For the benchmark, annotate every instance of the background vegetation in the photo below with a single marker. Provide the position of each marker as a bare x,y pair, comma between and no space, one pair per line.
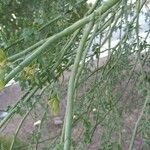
40,39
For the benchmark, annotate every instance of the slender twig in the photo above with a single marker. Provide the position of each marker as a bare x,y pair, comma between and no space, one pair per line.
138,120
30,49
25,97
19,127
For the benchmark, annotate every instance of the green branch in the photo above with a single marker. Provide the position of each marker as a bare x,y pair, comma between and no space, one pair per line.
71,87
139,119
24,98
97,13
29,49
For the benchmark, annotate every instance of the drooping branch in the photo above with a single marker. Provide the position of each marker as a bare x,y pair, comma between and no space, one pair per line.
97,13
71,86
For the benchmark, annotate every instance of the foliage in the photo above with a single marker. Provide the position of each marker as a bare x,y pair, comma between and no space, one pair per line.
41,39
5,143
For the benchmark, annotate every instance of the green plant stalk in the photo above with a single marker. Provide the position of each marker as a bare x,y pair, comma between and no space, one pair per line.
40,29
91,39
85,52
139,119
29,49
16,42
137,38
100,29
62,54
40,127
92,8
65,48
112,28
19,127
80,70
13,111
50,22
16,56
89,12
22,121
142,72
97,13
63,129
71,89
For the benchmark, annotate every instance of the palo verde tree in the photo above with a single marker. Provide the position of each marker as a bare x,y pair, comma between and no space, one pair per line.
41,39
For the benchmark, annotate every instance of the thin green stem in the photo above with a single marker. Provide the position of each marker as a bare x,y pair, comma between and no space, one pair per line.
25,97
85,52
22,53
19,127
71,86
138,121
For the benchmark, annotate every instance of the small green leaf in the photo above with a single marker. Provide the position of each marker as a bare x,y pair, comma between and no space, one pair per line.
2,78
54,105
2,58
